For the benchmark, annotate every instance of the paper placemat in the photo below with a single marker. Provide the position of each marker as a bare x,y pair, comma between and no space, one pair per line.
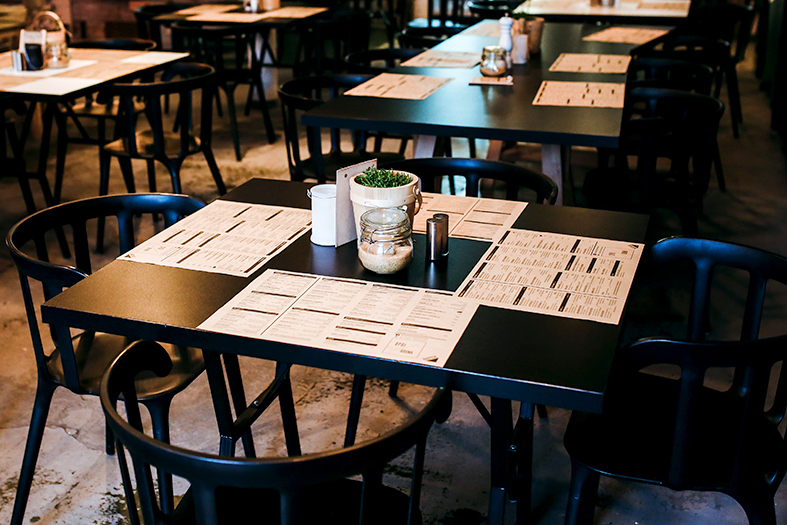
590,63
205,8
433,58
626,35
580,94
213,16
294,12
154,57
54,86
392,85
48,72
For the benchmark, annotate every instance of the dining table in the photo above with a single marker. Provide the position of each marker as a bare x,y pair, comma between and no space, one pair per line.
501,113
87,71
651,12
507,354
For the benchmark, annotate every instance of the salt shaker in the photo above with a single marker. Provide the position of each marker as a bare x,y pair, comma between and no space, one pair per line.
505,37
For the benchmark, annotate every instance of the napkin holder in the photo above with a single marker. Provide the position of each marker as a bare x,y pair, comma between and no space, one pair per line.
345,217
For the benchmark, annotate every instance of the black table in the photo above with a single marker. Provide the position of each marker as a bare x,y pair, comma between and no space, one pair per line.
500,113
535,359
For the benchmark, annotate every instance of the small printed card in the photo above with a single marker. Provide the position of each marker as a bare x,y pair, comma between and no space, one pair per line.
590,63
492,81
580,94
626,35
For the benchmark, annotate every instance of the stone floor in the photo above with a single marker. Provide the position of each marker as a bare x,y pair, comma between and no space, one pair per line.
77,483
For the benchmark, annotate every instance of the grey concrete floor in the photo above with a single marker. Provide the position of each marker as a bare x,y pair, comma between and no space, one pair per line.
76,482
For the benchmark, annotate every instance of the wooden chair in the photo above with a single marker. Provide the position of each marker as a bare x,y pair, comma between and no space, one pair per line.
302,94
242,66
156,144
306,489
491,9
78,364
688,431
670,124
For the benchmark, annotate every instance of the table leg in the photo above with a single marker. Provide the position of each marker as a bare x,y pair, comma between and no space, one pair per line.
221,401
521,463
556,164
423,146
501,433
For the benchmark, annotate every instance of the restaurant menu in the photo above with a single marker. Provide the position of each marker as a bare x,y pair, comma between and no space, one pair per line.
233,238
392,85
580,94
590,63
554,274
434,58
347,315
626,35
469,217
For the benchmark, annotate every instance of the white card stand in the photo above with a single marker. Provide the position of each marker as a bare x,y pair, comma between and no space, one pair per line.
345,219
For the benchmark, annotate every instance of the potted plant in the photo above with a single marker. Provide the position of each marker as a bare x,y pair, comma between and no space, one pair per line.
378,188
532,26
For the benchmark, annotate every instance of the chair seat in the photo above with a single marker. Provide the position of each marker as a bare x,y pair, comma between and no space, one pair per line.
104,348
333,162
335,503
146,149
633,438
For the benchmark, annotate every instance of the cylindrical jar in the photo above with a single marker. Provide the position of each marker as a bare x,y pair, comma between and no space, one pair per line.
386,244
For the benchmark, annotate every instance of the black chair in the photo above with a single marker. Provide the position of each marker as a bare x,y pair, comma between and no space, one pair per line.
304,489
692,430
303,94
669,124
156,144
712,52
11,154
79,363
474,170
323,41
426,37
391,12
150,28
97,107
209,44
442,15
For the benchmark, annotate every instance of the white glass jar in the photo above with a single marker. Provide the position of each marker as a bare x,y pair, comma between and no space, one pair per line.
386,245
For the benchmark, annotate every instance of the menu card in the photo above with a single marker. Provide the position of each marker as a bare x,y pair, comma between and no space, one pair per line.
233,238
581,94
469,217
590,63
204,8
626,35
554,274
391,85
434,58
294,12
347,315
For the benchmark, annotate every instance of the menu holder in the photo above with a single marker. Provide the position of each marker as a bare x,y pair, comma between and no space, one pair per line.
345,218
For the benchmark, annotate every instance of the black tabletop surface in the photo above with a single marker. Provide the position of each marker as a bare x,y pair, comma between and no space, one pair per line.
491,112
504,353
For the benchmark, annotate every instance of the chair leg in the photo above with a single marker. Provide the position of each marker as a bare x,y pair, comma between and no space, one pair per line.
105,160
717,167
159,418
393,389
62,145
128,489
758,505
287,407
354,415
214,169
542,411
581,495
174,174
238,395
151,164
109,437
128,174
266,114
734,96
35,434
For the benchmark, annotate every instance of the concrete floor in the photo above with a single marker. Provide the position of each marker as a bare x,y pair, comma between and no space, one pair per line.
77,483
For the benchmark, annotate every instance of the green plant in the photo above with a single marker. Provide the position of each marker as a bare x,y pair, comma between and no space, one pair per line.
377,178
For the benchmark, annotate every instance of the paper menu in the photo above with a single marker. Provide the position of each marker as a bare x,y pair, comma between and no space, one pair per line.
554,274
204,8
226,237
392,85
294,12
347,315
469,217
434,58
580,94
626,35
590,63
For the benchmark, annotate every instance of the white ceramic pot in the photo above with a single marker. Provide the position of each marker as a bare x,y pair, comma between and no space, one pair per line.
365,198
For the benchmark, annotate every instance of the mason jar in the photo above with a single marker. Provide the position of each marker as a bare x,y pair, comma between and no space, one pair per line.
386,245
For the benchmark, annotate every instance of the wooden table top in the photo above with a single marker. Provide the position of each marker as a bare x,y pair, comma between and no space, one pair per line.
626,11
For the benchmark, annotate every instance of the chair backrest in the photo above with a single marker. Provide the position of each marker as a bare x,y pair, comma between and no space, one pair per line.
376,61
731,22
473,170
128,44
677,125
288,476
425,37
303,94
183,79
669,73
491,9
209,44
750,421
147,27
27,243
